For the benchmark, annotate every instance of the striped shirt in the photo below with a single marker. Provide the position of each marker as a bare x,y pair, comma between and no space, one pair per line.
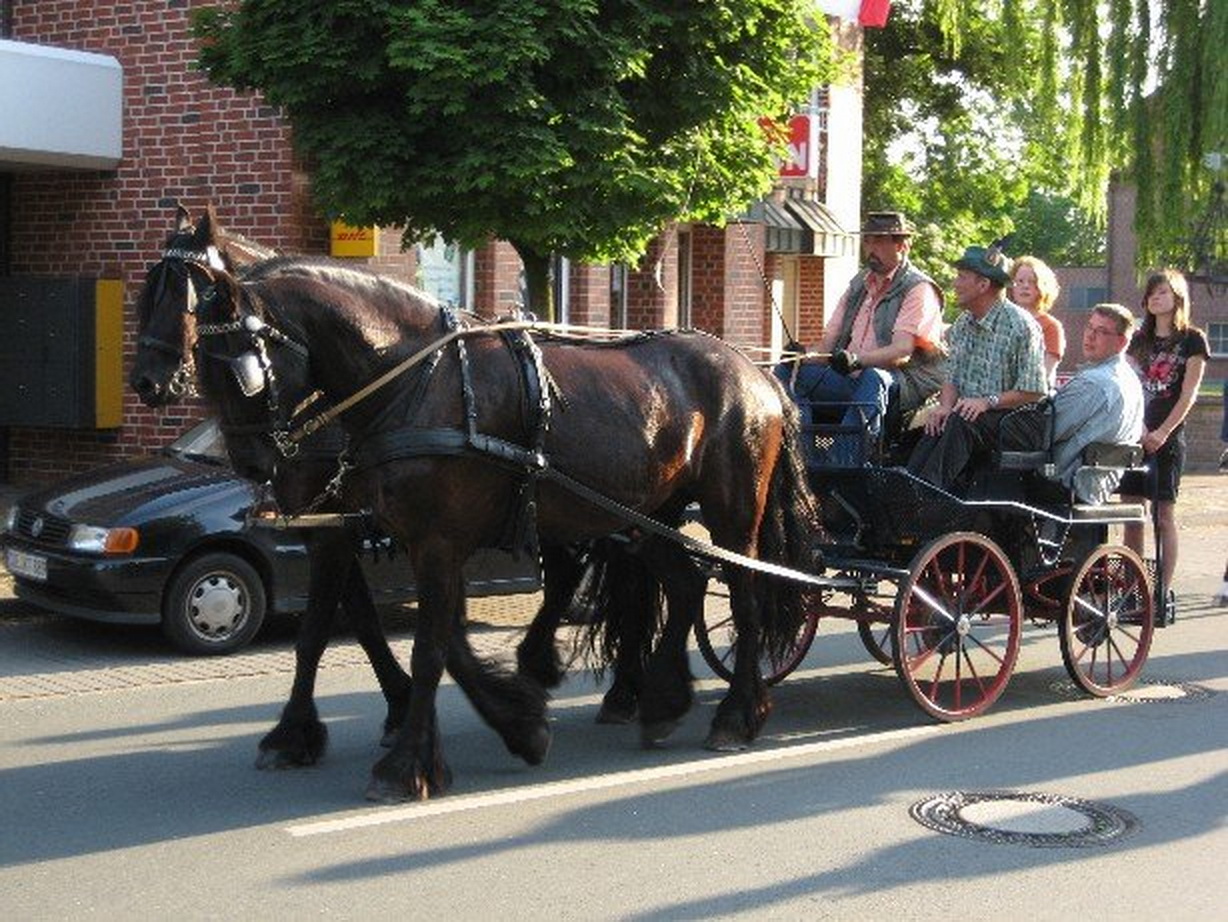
1003,351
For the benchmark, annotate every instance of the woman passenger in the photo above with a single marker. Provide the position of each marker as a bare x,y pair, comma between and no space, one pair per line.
1034,287
1170,355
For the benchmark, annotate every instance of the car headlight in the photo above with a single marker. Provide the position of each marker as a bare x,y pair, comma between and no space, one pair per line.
10,519
91,539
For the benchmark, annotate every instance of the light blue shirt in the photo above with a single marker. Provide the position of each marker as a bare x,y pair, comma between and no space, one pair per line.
1103,402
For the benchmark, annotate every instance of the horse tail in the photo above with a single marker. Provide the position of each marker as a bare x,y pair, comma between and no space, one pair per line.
787,535
621,603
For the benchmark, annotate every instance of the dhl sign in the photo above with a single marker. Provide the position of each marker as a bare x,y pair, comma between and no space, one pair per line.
347,240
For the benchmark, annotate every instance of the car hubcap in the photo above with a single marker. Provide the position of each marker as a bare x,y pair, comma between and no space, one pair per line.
217,606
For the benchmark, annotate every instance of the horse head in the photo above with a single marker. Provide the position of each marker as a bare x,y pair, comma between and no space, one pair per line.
253,373
192,255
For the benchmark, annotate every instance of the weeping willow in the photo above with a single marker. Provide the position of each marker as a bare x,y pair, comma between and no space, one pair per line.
1134,88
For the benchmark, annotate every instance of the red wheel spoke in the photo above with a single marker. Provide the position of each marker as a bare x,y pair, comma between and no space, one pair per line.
1107,624
976,677
988,651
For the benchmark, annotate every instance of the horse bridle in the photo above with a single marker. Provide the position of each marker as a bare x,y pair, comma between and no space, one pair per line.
205,261
253,370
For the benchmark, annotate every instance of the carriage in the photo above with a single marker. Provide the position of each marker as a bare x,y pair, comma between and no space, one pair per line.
465,433
940,585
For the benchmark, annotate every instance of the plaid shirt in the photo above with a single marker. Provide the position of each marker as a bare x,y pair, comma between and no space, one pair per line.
1001,352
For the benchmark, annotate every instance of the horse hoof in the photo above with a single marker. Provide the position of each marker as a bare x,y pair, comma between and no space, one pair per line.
723,741
278,759
654,735
538,745
616,714
381,791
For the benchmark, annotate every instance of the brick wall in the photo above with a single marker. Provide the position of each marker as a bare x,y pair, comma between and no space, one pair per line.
652,286
707,278
1202,434
590,295
183,140
810,307
496,280
745,295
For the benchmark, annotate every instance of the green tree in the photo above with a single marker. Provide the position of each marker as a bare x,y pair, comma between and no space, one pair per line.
571,127
979,115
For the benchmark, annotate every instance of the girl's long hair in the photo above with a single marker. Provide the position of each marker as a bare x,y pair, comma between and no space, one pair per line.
1181,309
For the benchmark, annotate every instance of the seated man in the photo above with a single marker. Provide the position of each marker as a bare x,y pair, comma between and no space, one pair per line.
1103,402
883,340
996,364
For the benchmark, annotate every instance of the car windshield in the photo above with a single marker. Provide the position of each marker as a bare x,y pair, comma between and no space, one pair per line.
203,441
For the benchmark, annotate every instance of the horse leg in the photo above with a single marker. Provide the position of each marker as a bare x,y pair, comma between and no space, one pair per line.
300,737
393,680
414,767
743,711
514,705
536,655
630,610
667,694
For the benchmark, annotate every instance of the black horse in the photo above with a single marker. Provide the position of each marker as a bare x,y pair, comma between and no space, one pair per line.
449,450
163,373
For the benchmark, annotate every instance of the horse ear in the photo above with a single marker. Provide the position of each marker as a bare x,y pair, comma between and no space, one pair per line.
208,230
183,220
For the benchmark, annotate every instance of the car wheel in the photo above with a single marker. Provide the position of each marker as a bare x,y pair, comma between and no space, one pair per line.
214,604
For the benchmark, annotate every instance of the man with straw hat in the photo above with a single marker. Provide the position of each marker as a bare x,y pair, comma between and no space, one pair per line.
882,343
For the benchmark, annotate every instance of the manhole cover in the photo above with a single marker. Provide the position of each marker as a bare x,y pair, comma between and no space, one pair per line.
1146,691
1020,818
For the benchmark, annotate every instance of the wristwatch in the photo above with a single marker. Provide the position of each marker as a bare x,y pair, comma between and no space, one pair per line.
993,400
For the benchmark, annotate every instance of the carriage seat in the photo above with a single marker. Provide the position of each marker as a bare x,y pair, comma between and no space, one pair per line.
1102,455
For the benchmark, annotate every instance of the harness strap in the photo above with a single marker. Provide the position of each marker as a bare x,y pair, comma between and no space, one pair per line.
700,548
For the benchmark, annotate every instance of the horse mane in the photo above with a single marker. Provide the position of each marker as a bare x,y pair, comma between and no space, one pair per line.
242,252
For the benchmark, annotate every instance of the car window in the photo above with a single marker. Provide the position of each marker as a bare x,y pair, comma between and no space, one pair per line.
202,441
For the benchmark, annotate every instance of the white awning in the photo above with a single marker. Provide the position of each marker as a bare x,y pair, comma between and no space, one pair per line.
61,109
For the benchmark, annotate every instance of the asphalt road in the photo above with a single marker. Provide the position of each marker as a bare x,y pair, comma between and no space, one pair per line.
127,789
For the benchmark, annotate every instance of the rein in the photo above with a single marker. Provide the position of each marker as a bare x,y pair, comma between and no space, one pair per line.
562,331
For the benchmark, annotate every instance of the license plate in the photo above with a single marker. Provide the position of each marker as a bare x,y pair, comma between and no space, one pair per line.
29,566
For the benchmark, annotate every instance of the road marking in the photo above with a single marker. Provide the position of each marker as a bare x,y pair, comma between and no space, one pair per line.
382,816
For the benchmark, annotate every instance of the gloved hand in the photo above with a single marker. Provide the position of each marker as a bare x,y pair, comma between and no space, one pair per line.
794,346
843,362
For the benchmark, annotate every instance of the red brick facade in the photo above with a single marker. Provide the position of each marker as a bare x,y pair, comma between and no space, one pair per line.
186,140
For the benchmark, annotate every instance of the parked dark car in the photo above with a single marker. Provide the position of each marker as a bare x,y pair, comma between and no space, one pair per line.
167,540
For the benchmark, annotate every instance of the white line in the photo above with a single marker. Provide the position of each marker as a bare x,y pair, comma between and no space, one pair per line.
382,816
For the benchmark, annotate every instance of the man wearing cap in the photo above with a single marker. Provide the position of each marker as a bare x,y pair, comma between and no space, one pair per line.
884,338
996,364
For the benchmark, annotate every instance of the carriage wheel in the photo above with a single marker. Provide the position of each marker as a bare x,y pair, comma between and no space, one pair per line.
1107,627
876,637
717,637
958,620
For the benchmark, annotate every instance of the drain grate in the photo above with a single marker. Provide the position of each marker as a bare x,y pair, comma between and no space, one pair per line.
1022,818
1147,690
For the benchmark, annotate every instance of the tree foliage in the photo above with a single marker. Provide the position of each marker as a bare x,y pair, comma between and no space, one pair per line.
1045,100
571,127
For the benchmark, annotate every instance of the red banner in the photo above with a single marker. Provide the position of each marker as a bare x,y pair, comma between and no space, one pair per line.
874,13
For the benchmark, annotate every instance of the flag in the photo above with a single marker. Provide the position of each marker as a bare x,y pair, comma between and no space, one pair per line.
874,13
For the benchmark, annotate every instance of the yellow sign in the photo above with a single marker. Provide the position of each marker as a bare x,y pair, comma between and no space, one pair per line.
353,241
109,353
